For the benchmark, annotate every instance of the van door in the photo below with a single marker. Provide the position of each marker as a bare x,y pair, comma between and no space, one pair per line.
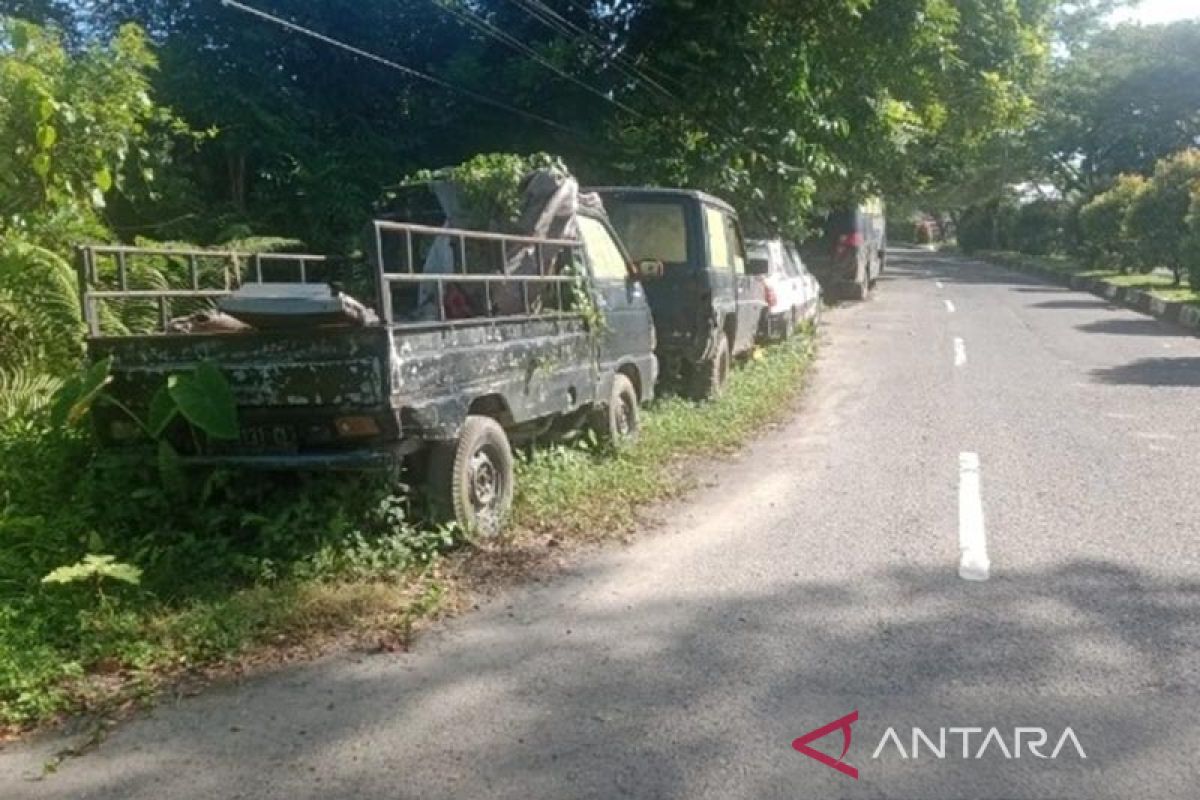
619,297
721,275
751,291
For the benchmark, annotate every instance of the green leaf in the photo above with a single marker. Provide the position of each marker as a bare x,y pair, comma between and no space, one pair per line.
46,136
45,109
98,197
205,400
95,566
162,411
63,400
41,165
74,400
103,179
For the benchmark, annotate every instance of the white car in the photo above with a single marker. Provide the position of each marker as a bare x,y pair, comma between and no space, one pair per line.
793,294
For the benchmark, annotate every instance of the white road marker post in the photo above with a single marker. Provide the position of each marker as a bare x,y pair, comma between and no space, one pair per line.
973,564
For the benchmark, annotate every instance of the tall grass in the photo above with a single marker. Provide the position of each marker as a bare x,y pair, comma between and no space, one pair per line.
244,568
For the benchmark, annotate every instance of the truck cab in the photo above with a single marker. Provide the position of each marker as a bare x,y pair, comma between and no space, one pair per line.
707,300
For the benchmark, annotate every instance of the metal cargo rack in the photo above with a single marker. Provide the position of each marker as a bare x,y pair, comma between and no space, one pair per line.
231,263
507,246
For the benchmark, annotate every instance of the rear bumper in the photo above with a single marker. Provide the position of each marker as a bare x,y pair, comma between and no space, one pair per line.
366,459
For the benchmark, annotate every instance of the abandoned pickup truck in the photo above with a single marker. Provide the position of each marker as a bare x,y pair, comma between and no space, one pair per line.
443,372
707,300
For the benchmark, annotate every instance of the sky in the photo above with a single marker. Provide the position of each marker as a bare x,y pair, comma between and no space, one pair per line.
1154,11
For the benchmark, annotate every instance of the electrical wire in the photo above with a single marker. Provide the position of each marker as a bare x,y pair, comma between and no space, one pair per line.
550,18
411,72
471,19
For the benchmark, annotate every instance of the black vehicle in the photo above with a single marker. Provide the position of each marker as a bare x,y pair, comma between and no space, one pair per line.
707,302
494,357
849,251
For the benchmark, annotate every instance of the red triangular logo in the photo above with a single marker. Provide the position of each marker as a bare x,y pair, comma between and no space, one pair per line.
839,764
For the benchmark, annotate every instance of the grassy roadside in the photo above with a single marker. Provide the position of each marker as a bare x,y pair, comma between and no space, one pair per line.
241,573
1157,284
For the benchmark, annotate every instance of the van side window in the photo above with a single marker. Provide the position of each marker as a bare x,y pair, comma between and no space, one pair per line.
737,247
602,252
718,238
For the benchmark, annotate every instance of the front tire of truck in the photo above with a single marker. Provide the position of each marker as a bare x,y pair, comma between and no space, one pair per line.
471,478
707,379
618,421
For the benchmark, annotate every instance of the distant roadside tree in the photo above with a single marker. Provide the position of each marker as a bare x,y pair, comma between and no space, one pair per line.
1102,221
1157,219
1193,244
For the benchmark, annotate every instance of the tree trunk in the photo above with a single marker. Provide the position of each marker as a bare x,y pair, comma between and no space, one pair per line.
236,164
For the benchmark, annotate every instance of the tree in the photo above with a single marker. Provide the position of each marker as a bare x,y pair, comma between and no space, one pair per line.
74,129
1192,247
1128,98
1102,220
1157,219
827,101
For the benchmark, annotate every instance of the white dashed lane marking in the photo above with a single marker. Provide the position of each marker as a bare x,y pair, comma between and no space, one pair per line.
973,564
960,352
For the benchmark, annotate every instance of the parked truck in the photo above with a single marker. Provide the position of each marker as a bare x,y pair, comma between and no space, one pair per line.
848,252
446,387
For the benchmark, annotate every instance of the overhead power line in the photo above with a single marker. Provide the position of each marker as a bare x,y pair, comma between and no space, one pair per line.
550,18
409,71
474,20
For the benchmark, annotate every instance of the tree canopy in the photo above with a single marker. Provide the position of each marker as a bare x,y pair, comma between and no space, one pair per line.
774,105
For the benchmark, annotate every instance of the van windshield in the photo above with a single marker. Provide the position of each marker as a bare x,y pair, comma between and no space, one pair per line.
651,229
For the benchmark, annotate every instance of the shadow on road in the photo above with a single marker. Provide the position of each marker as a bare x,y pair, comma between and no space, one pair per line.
688,696
1153,372
1129,327
1047,289
1069,305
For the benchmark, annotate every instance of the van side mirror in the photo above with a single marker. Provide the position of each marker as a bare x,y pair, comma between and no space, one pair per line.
758,266
649,268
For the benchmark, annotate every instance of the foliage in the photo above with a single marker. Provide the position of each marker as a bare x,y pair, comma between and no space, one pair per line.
95,568
987,226
1192,246
252,563
1107,243
829,101
488,185
203,398
1157,218
1039,227
1127,98
40,325
74,128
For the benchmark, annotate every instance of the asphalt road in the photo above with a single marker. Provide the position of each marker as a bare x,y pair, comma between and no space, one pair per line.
819,575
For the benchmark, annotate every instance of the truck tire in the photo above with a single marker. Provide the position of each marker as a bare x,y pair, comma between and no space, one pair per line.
618,421
471,478
707,379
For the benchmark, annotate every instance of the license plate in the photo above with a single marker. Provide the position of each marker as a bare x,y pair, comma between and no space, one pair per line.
268,438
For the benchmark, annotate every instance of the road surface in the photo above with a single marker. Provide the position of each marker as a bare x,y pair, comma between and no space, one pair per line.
966,422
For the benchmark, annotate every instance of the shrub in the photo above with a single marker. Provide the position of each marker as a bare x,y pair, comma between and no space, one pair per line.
987,227
1038,227
1157,219
1102,222
1192,247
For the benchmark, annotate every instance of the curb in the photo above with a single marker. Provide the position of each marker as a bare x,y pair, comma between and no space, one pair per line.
1182,314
